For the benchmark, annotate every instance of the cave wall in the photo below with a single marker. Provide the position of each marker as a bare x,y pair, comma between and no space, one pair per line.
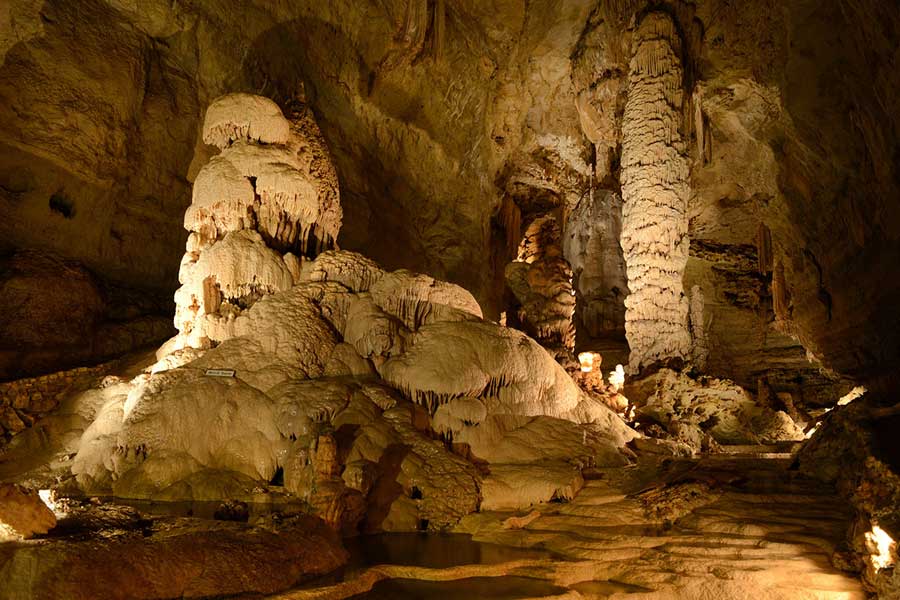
789,96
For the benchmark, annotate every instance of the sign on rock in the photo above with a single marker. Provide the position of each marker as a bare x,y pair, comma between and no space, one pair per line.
220,372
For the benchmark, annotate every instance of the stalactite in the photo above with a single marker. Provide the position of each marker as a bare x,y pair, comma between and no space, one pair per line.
271,191
510,218
438,29
764,249
655,190
780,296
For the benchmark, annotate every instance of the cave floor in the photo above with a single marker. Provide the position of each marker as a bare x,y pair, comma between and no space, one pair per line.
720,527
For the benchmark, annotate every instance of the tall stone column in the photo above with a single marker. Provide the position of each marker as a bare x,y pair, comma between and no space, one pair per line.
654,177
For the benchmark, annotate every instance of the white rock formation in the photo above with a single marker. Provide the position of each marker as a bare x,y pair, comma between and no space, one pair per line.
268,198
655,192
502,367
331,371
244,117
306,362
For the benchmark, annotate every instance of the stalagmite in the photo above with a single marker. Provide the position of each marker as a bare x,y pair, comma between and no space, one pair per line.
654,179
541,280
269,199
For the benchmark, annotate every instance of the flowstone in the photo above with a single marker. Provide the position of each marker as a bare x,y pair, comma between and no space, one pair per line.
376,398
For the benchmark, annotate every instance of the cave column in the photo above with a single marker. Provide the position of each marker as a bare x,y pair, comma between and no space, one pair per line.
655,192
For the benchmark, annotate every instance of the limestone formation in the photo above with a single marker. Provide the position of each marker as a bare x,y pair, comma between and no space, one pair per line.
655,193
477,384
541,280
591,245
293,336
708,185
693,411
851,449
261,206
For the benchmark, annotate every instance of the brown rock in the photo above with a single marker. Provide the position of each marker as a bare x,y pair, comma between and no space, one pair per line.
172,558
22,513
10,420
325,457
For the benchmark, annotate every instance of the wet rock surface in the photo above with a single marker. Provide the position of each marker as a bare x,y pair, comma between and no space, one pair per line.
718,527
176,557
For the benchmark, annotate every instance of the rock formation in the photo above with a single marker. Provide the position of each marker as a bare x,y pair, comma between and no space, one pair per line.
708,186
591,246
541,280
22,513
321,370
60,315
693,412
655,192
261,206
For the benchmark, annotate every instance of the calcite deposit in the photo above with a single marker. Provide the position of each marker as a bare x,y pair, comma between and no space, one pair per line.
260,207
655,191
610,286
695,412
373,394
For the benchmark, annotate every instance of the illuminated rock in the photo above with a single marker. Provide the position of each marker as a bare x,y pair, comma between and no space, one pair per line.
691,410
269,197
22,513
655,192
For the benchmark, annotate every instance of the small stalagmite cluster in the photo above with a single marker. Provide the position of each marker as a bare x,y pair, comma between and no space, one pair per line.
268,201
655,192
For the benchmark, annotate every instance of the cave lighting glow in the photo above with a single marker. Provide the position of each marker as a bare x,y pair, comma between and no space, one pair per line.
587,361
881,546
47,499
617,377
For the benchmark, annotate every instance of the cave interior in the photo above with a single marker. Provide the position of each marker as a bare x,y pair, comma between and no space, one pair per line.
449,298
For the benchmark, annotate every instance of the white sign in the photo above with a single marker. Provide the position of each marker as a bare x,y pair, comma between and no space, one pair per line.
220,372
